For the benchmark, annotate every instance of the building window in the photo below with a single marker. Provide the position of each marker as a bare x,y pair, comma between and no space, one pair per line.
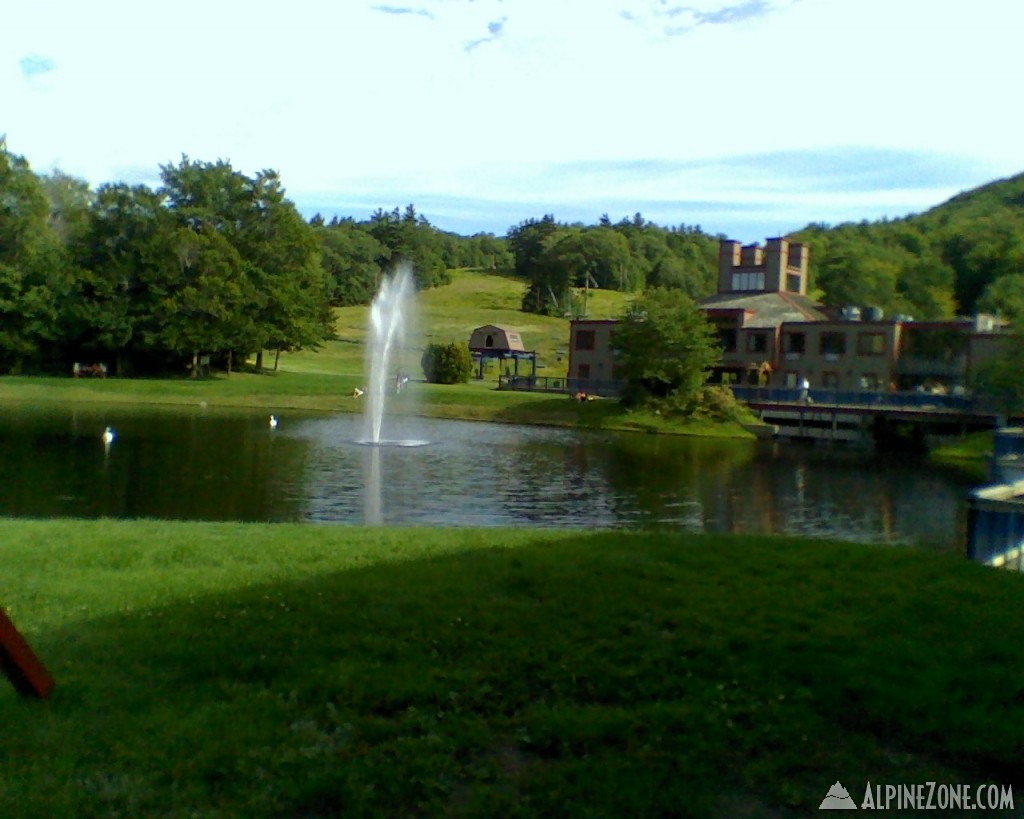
794,343
584,340
870,343
870,381
583,371
757,342
747,281
791,379
830,380
793,282
727,338
832,344
489,341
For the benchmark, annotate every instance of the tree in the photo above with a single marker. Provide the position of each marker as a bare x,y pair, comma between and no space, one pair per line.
294,309
70,200
925,288
1001,378
278,276
350,258
699,254
1005,297
857,272
127,264
35,273
595,257
528,243
666,347
482,250
207,312
982,250
550,282
626,256
409,238
558,258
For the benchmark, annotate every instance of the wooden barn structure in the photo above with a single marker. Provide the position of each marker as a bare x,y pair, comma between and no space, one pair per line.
500,343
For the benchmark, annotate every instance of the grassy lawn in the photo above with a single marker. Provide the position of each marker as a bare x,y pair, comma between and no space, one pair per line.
475,401
229,670
323,380
283,389
451,313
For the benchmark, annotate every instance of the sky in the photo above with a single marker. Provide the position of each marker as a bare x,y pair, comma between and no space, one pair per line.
749,118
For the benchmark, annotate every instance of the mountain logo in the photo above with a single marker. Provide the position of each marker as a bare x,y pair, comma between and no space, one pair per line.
837,799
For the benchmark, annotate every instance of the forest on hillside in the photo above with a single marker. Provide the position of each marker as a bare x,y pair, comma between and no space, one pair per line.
962,257
215,263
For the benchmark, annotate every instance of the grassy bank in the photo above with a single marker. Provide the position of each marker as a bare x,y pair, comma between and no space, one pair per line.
974,447
323,380
227,670
319,392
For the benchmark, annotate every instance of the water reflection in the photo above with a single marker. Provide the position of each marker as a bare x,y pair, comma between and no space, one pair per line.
199,464
372,515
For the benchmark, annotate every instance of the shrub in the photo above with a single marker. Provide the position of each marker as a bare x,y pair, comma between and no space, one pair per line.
711,402
447,363
719,404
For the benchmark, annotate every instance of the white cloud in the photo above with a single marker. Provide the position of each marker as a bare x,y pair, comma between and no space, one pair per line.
488,100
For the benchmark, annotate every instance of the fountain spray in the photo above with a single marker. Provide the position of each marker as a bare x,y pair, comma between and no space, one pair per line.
389,315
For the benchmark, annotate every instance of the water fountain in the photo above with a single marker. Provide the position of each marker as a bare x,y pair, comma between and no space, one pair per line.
390,320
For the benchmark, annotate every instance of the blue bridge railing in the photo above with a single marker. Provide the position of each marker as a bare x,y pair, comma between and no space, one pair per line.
880,398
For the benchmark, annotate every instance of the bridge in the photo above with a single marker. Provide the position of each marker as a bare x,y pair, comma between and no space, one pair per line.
837,415
861,416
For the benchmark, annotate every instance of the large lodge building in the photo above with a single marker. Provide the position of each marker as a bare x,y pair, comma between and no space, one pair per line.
773,335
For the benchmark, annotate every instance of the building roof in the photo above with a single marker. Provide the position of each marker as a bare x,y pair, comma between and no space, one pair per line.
766,309
493,337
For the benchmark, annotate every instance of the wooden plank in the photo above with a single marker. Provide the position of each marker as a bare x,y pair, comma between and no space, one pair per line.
19,663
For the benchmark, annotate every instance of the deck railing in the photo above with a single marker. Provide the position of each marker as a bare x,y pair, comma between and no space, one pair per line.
781,395
569,386
877,399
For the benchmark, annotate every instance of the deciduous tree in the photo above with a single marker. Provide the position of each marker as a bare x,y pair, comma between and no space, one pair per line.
34,269
666,347
126,265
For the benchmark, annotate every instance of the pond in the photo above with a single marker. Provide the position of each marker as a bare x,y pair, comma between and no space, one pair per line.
201,464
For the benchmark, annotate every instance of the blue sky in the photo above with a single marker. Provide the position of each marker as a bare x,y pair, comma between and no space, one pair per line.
748,117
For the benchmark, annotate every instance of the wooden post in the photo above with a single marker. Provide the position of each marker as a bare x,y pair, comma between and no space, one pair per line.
19,663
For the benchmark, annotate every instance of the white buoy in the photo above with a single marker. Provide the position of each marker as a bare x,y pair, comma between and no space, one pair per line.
273,422
108,436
